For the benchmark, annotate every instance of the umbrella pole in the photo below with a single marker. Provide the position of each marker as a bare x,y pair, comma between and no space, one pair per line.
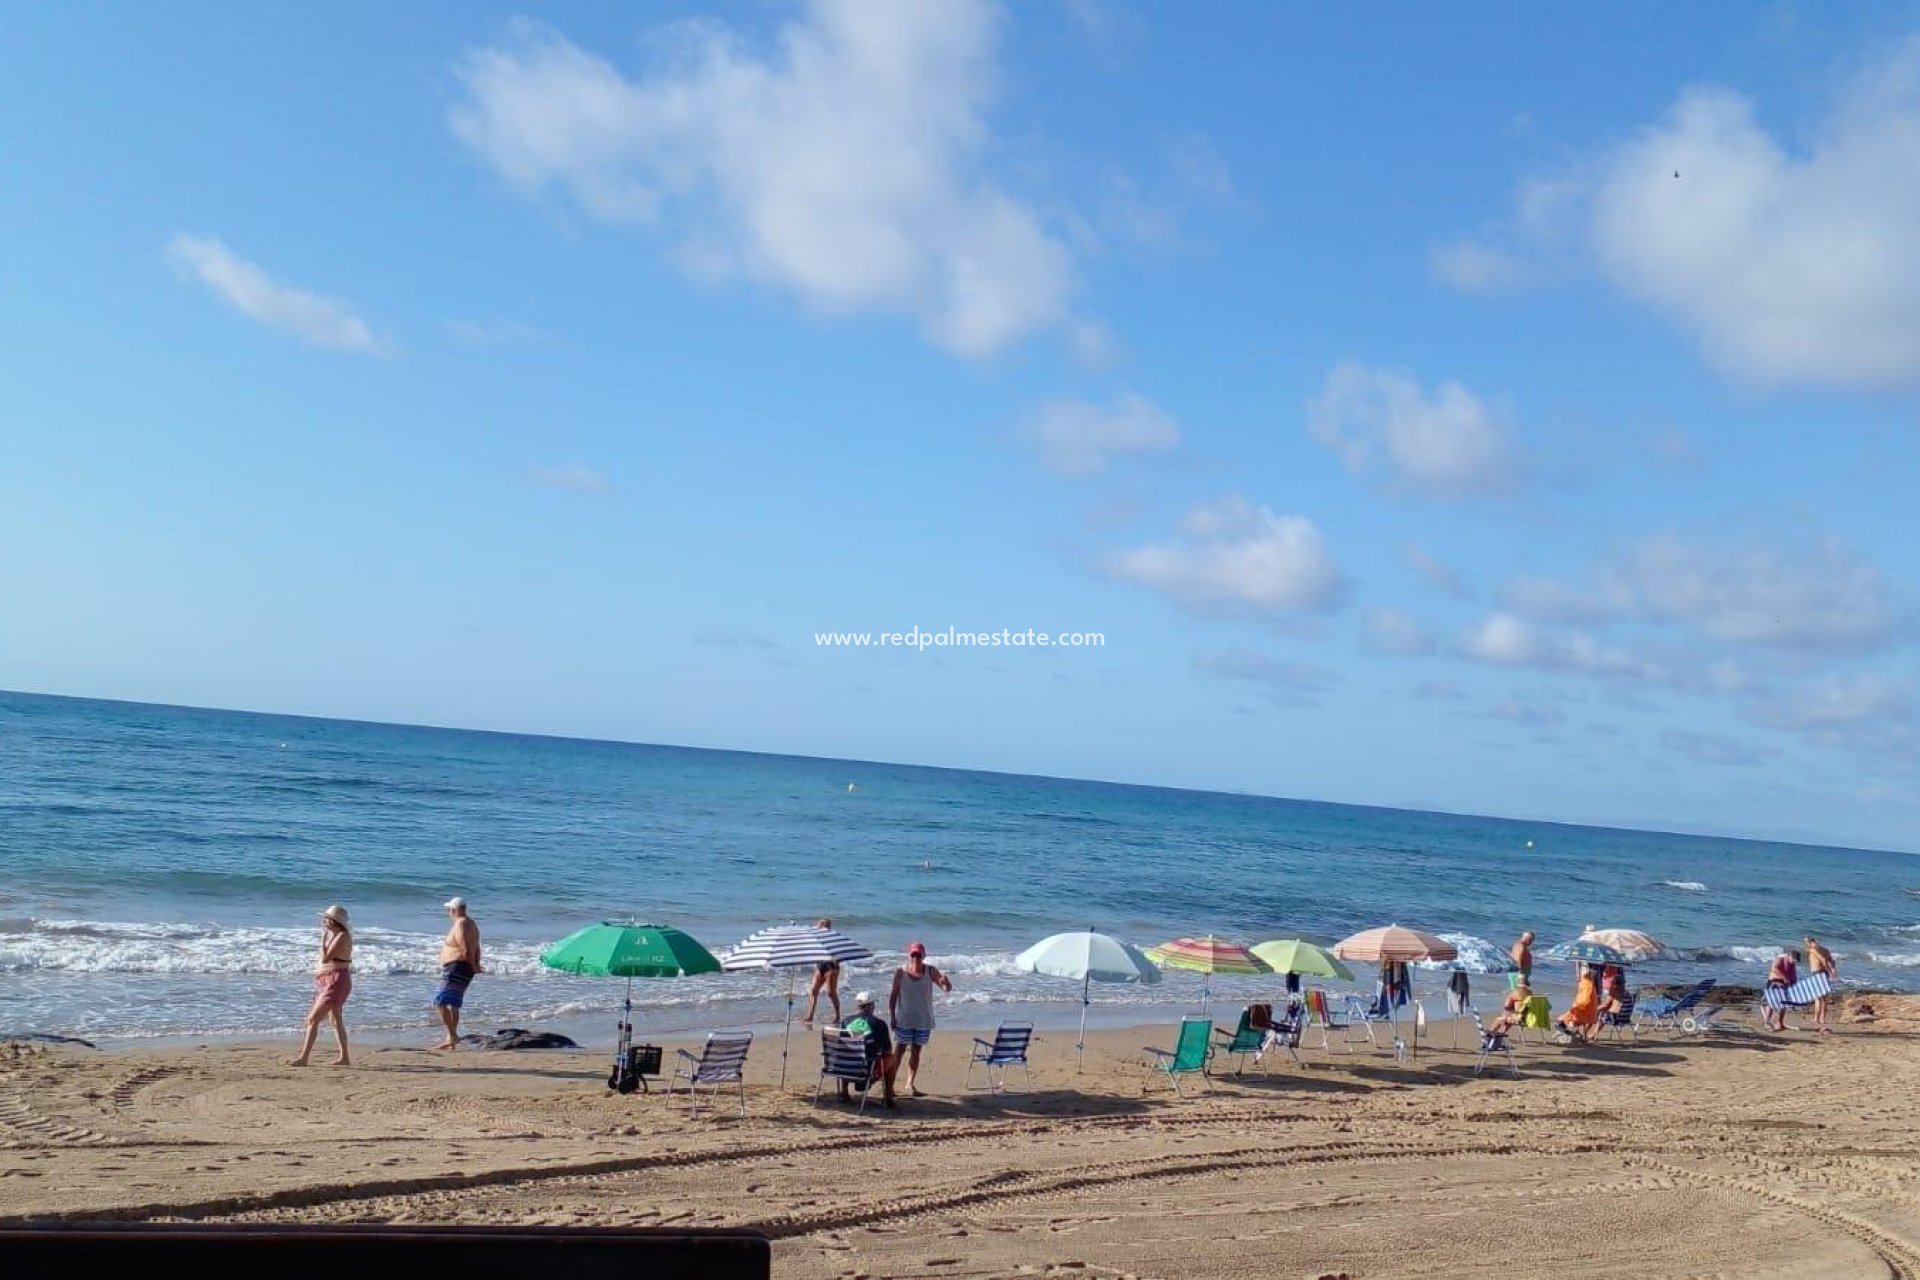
1080,1049
786,1033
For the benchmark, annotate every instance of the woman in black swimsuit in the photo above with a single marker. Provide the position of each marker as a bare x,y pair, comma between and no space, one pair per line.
826,977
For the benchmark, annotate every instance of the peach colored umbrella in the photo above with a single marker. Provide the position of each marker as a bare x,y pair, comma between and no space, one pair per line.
1394,942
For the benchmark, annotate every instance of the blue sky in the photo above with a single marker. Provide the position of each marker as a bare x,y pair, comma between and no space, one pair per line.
1512,416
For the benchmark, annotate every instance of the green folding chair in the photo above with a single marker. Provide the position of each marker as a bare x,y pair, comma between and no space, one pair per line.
1189,1053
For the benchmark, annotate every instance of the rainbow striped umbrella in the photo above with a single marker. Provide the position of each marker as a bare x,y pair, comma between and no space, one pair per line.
1208,955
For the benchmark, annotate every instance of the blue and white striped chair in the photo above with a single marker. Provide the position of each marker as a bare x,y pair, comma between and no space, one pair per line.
1620,1021
843,1057
1674,1015
722,1060
1491,1042
1800,994
1363,1015
1008,1048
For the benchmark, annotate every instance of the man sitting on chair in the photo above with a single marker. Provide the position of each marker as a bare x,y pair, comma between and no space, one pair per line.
881,1058
1512,1009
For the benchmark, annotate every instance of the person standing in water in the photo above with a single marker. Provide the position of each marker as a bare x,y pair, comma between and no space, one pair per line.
826,977
332,984
910,1007
459,962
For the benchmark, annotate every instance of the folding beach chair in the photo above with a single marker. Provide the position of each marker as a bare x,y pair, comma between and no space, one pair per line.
1492,1042
1189,1053
1320,1014
1678,1014
1008,1048
1257,1033
722,1060
1620,1022
843,1056
1363,1015
1538,1018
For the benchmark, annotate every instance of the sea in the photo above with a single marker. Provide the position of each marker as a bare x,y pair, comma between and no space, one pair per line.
161,871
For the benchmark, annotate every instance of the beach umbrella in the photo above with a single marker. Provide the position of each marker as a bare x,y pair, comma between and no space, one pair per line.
1403,946
1292,955
1631,943
792,947
629,949
1393,942
1582,951
1087,957
1208,955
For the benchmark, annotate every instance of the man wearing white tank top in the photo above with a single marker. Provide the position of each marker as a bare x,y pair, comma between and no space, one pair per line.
910,1008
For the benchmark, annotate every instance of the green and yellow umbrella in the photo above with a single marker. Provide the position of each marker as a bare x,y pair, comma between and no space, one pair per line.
1292,955
1208,955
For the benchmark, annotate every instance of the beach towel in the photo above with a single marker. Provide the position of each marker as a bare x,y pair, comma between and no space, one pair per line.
1803,992
1260,1016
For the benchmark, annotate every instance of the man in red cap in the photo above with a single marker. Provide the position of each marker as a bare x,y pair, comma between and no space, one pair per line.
910,1007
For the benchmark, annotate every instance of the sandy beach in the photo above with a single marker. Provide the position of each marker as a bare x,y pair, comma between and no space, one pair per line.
1734,1153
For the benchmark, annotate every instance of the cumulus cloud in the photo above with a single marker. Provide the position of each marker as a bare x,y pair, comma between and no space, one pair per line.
1864,712
845,164
1447,444
1823,597
1503,640
1788,261
1234,557
576,479
1395,633
1077,438
248,289
1289,683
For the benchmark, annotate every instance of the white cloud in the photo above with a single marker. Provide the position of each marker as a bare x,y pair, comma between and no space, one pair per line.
1449,444
1442,575
1289,683
577,479
1503,640
1864,712
1788,262
1393,632
1234,557
1820,598
248,289
1717,748
1077,438
1472,267
844,164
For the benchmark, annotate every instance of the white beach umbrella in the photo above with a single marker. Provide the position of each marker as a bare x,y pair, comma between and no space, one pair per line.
1087,957
792,947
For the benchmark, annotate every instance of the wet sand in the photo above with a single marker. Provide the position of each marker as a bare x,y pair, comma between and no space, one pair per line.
1736,1153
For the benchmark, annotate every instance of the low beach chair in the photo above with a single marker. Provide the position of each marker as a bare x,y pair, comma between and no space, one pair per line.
722,1060
1320,1014
1673,1014
843,1056
1008,1048
1538,1018
1363,1015
1492,1042
1620,1022
1798,996
1255,1035
1189,1053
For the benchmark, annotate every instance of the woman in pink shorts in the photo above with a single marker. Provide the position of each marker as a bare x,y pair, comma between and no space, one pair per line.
332,984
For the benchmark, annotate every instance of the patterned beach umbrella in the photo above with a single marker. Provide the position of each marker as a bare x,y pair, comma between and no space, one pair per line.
1585,952
1393,942
1631,943
1206,955
792,947
1086,957
1291,955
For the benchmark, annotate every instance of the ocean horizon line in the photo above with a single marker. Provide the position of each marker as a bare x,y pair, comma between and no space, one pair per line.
1647,829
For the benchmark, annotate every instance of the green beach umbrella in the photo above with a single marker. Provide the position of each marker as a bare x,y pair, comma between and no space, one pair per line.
628,949
612,949
1292,955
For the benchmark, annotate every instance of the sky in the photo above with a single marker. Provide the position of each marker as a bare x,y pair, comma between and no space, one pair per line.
1514,412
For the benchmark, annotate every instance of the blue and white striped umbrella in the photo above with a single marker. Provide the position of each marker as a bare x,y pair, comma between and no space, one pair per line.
793,946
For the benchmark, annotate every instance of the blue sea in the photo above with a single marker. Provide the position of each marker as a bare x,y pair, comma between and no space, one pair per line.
161,867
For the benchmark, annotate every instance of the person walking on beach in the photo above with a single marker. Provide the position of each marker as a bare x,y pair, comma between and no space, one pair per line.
1522,953
826,977
1820,960
910,1006
332,984
1783,973
459,962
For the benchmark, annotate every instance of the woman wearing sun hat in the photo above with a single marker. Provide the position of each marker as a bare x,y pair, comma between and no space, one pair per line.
332,984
